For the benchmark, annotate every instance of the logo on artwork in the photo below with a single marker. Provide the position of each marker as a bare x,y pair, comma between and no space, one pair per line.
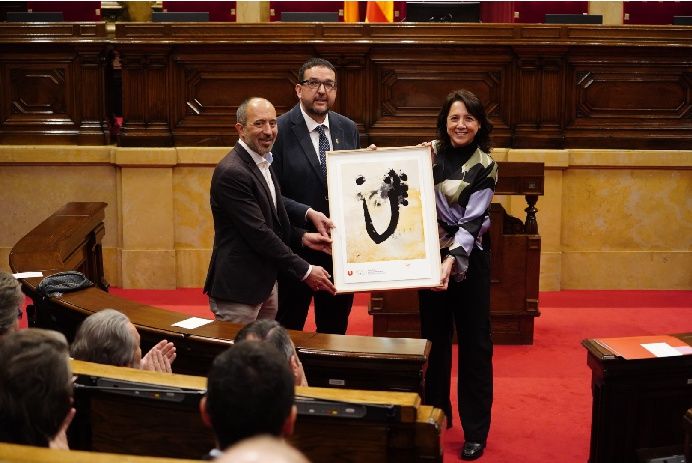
350,272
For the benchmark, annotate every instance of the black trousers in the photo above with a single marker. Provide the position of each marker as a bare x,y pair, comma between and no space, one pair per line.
331,312
466,306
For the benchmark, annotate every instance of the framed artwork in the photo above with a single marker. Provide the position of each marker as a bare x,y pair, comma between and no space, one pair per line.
382,203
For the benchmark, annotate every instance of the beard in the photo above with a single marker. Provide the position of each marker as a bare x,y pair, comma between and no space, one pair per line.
313,110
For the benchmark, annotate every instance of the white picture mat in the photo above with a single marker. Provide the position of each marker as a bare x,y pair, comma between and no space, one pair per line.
378,266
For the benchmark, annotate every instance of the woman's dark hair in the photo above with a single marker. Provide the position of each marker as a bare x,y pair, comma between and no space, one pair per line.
473,106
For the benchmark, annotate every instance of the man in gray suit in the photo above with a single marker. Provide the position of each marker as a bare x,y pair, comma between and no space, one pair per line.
252,231
306,132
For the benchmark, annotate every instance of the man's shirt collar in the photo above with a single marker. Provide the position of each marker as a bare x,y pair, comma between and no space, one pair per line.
310,122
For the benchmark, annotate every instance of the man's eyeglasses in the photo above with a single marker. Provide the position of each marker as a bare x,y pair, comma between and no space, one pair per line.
314,84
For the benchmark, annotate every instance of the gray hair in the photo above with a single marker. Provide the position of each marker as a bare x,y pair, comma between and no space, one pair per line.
105,337
279,338
11,299
269,331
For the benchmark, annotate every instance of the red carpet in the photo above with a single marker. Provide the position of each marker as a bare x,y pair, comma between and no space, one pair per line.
542,408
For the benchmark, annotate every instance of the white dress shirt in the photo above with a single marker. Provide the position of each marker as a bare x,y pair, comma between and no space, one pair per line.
314,135
263,163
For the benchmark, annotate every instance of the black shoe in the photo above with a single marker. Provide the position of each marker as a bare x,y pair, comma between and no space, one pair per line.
472,450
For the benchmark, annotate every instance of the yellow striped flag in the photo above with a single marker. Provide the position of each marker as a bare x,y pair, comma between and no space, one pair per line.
380,12
351,13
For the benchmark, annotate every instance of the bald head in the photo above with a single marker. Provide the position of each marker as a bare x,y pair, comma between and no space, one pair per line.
262,449
256,124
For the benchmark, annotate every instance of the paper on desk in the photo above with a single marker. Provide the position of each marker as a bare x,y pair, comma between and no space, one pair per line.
661,349
27,274
192,323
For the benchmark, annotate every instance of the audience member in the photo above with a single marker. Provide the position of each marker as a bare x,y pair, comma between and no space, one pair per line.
262,449
250,392
110,338
11,300
275,334
35,388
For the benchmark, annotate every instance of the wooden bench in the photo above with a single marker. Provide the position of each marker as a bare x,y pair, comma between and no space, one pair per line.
159,416
70,240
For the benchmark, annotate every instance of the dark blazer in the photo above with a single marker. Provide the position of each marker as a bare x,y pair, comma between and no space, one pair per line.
251,236
296,165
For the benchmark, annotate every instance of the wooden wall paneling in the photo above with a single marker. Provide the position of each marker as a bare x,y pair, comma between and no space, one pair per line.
545,86
146,96
52,97
354,84
213,84
538,100
47,70
36,86
93,122
410,87
644,96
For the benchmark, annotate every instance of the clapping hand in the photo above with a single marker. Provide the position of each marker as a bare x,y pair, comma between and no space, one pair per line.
160,357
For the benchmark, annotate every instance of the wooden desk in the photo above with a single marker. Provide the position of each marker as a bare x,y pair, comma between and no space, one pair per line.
515,268
27,454
70,239
140,425
636,403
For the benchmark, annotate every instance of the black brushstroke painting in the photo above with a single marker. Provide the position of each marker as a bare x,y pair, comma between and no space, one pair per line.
393,188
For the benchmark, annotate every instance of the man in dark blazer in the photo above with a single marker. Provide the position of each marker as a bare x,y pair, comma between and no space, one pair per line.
252,231
305,133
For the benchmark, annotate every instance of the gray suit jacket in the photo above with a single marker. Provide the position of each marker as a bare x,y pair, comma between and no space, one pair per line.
251,236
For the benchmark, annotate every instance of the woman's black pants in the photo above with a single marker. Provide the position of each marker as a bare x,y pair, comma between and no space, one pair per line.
466,306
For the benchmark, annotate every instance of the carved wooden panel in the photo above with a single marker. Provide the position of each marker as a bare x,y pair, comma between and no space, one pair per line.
539,97
212,86
545,86
38,89
645,97
409,88
52,88
41,102
146,97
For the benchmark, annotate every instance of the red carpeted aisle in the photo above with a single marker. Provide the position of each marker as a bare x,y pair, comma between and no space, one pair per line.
542,408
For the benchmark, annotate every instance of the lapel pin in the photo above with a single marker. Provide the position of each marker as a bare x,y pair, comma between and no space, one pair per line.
337,141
